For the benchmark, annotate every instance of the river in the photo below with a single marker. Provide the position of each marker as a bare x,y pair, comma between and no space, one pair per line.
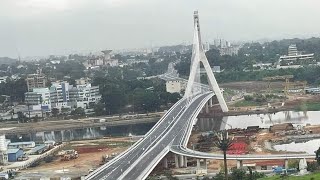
203,124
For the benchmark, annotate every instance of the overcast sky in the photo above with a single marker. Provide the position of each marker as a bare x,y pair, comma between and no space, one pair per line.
43,27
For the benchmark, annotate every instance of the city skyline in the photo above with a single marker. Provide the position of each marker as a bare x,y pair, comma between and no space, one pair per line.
43,27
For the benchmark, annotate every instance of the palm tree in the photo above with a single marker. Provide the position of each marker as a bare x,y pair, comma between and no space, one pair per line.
224,143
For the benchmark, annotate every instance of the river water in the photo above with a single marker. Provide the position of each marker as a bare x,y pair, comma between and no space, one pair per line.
203,124
265,121
83,133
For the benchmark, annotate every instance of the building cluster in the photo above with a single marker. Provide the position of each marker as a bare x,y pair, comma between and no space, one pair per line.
60,95
106,60
19,151
295,59
226,48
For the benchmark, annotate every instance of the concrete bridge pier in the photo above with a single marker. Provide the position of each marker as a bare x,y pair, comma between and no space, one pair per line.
211,102
181,161
198,163
239,164
185,161
207,107
165,163
176,161
286,163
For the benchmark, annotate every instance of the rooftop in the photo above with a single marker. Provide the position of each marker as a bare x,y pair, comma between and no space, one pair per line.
22,143
38,148
11,151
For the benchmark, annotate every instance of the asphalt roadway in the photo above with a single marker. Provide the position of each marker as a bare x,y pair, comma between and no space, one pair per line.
150,159
114,169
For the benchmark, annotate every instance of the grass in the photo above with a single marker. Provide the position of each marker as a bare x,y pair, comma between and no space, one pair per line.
308,106
314,176
244,103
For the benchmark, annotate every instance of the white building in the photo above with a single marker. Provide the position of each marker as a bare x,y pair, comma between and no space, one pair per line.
62,95
175,86
233,50
3,79
39,99
84,95
82,81
59,94
104,60
295,59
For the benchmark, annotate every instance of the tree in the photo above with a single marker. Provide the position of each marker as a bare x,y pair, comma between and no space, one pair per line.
55,112
21,117
238,174
64,110
318,156
99,109
312,166
78,111
224,143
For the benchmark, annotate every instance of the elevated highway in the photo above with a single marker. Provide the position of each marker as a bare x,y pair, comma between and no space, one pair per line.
115,168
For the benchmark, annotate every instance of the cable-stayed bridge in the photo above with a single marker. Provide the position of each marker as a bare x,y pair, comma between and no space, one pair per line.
172,131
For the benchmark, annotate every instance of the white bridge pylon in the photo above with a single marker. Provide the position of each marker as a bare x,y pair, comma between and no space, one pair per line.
198,55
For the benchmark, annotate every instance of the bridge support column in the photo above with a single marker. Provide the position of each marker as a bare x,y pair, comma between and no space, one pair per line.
198,163
185,161
207,108
165,163
176,161
239,164
205,163
211,102
181,161
286,162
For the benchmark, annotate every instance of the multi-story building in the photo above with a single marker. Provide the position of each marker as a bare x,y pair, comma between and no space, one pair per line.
84,96
175,86
82,81
295,59
36,81
59,94
39,99
104,60
62,95
232,50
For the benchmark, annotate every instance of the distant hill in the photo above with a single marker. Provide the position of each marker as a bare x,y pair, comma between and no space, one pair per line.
7,60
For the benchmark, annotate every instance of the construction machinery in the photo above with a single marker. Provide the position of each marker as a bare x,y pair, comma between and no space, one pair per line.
68,155
288,86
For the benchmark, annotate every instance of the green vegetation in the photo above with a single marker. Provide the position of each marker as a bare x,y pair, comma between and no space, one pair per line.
14,89
243,103
308,106
252,53
313,176
257,100
121,94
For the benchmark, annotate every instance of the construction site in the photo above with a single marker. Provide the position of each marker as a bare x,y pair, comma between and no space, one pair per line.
77,158
273,94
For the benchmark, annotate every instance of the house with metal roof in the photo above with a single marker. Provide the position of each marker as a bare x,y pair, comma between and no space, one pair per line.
38,149
29,144
14,154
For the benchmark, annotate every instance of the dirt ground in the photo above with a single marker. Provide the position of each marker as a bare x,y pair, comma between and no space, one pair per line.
81,165
252,86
